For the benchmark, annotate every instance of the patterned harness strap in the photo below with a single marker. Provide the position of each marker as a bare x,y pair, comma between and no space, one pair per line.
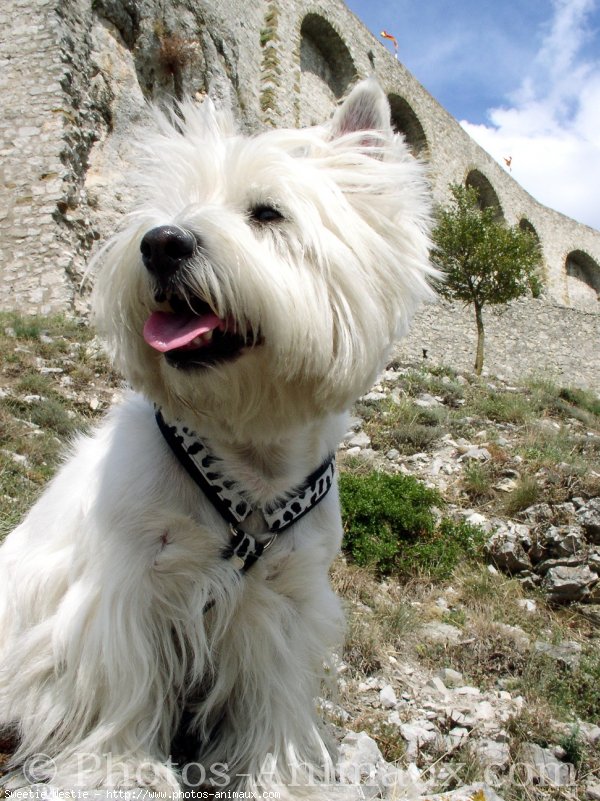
232,504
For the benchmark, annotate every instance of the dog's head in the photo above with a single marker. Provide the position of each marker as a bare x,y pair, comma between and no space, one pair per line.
264,278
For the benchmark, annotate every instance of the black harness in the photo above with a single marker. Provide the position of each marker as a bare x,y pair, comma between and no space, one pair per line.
231,501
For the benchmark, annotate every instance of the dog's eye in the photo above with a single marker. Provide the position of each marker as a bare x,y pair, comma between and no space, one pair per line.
265,214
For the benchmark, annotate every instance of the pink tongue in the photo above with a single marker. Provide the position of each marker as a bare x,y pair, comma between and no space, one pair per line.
165,331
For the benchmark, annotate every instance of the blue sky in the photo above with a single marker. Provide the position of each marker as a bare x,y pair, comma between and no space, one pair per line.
523,78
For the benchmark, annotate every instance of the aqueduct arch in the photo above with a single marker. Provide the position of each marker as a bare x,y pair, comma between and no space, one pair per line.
486,194
406,122
525,225
324,53
582,275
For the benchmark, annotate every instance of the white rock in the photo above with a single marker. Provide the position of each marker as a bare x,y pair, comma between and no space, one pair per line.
457,735
484,711
441,632
519,704
492,752
567,652
457,717
387,697
334,709
592,791
426,401
359,758
476,519
394,718
450,677
590,732
437,684
436,467
520,637
475,454
15,457
417,734
545,768
527,604
359,440
506,485
354,424
402,784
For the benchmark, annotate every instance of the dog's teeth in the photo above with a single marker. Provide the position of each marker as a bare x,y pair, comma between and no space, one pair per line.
202,339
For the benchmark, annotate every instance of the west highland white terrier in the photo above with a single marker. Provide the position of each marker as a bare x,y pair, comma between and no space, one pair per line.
167,599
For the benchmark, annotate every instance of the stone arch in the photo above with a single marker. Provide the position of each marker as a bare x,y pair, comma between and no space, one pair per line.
406,122
324,53
583,279
486,194
525,225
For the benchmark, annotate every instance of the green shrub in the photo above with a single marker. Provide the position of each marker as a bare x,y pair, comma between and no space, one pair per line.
381,511
583,398
390,526
436,554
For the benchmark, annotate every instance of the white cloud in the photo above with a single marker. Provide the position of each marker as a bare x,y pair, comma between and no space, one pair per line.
551,127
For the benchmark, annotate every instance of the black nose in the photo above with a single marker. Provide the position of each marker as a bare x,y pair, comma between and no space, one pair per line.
165,248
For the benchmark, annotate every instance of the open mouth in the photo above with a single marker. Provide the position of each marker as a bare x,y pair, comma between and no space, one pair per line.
190,334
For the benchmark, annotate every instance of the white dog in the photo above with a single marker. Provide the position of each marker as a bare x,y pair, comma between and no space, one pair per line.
169,591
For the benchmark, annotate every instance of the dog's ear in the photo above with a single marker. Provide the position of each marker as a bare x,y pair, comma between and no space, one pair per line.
365,109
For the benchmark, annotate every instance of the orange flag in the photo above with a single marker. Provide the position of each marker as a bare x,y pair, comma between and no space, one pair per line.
392,39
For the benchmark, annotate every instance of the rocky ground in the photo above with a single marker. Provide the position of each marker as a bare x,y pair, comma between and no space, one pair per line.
481,683
521,463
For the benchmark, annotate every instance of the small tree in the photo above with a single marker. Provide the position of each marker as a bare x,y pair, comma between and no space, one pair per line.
483,259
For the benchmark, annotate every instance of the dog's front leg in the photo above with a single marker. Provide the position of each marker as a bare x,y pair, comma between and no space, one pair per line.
96,680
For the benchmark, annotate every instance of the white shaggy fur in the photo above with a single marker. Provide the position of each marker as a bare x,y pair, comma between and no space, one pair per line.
102,587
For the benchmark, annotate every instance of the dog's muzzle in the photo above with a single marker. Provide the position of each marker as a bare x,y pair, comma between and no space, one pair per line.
164,250
185,327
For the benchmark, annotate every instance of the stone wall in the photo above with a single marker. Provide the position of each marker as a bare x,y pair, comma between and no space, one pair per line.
33,263
77,74
523,338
